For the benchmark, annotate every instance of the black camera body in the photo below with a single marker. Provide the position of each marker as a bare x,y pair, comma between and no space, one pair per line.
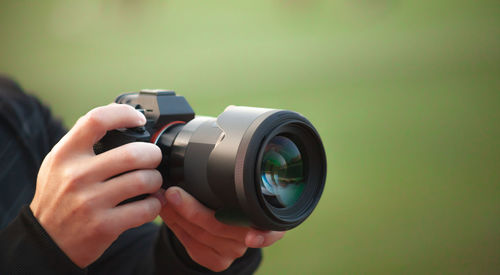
258,167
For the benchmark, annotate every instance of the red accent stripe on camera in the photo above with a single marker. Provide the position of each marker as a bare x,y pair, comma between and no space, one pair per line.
156,136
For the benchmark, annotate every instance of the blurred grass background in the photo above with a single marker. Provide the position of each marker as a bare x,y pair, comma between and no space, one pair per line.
406,96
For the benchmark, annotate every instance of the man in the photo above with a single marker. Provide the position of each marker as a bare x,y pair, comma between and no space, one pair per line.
73,224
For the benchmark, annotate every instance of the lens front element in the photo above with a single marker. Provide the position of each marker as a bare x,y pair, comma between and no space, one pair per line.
282,172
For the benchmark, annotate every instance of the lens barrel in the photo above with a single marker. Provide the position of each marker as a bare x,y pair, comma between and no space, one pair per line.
254,166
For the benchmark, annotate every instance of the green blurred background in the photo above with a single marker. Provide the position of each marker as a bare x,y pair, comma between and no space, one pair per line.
406,96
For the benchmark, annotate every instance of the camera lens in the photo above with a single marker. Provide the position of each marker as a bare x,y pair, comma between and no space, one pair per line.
282,172
253,166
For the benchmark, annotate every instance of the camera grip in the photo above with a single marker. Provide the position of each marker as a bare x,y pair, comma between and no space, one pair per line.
119,137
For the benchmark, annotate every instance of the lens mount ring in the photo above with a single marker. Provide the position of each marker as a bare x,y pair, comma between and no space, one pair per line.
159,133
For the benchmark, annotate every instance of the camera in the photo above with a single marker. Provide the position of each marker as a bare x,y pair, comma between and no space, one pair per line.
257,167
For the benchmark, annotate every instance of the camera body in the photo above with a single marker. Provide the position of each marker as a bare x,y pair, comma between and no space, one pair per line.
162,108
257,167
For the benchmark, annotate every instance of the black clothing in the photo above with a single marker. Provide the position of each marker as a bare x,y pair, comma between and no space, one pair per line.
27,133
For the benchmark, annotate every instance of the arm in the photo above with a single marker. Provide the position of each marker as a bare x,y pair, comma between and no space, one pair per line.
27,134
25,243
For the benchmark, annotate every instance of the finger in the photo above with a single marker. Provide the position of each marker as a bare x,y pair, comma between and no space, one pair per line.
257,238
135,213
200,253
93,126
224,246
190,209
128,157
129,185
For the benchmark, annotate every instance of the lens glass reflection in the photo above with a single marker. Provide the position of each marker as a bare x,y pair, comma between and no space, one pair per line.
282,172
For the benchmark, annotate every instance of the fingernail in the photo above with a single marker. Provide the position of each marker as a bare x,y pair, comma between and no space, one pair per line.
258,240
174,198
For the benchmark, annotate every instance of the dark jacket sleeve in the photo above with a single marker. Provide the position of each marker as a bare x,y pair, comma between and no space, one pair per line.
25,248
27,133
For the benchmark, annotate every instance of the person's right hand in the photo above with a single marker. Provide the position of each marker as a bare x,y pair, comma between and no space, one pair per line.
77,192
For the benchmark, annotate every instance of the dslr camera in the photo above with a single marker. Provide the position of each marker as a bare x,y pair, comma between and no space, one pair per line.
257,167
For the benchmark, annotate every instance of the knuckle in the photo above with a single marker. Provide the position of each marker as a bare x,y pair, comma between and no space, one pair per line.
84,203
141,177
133,189
101,228
139,182
130,155
56,155
93,118
149,180
73,176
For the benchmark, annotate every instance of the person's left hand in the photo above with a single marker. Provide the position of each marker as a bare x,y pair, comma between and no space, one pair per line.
209,242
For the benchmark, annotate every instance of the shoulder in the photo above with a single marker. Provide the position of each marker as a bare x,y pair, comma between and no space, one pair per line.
27,120
16,104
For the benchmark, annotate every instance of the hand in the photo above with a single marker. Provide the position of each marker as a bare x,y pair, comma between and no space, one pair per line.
77,192
209,242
